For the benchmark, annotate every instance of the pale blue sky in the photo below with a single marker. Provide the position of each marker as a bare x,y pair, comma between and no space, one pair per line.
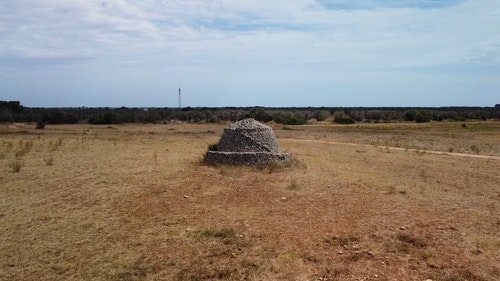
245,53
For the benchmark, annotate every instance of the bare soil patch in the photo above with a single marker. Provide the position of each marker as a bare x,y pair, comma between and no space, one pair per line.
133,202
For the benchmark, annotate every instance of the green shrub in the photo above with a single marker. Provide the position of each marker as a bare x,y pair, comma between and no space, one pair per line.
213,147
344,120
290,120
213,119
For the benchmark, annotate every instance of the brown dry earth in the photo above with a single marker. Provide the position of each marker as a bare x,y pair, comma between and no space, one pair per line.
133,202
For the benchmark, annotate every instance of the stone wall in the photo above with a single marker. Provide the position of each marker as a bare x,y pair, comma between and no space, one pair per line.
245,158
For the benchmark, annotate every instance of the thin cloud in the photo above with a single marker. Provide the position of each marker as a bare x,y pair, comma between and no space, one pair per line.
388,4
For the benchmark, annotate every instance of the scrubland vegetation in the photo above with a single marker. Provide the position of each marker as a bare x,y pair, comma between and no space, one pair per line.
15,112
359,202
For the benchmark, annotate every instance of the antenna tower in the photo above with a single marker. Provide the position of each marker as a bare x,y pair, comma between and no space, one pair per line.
180,104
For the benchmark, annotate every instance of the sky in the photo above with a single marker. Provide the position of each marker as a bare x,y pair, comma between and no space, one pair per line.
273,53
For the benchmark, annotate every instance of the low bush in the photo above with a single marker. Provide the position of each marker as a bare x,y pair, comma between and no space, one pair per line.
344,120
213,147
288,120
40,125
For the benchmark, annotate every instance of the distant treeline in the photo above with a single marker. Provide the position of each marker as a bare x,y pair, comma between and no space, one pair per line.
13,111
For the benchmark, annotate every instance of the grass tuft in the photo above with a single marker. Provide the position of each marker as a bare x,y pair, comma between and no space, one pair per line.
292,163
56,145
155,157
138,270
489,244
412,240
344,240
230,170
475,149
211,147
24,148
459,275
294,185
224,232
16,166
397,247
49,161
391,189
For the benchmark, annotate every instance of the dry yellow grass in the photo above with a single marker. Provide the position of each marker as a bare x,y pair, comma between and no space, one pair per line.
133,202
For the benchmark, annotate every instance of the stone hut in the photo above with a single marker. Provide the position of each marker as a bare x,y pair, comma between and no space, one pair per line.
247,142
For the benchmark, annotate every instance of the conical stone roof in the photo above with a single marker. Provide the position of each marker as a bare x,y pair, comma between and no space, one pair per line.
247,142
248,135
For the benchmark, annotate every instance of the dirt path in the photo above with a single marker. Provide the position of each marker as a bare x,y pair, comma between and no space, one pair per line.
490,157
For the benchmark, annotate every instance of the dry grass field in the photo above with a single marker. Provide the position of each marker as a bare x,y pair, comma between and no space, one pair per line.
359,202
